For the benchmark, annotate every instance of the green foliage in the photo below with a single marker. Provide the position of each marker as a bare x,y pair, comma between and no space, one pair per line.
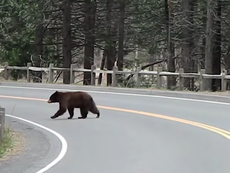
6,143
18,20
17,32
145,27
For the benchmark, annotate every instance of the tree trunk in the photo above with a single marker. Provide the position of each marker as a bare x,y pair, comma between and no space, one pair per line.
216,64
110,49
39,35
227,54
171,80
203,44
209,43
89,26
192,43
101,68
121,37
227,65
38,52
67,56
188,62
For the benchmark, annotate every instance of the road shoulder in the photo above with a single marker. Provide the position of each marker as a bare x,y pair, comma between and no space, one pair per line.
32,152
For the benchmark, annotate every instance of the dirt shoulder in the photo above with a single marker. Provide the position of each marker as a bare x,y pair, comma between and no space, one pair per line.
12,144
29,149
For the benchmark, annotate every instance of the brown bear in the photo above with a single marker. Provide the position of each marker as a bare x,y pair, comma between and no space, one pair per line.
71,100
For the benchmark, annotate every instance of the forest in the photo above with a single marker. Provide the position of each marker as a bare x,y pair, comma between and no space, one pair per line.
173,34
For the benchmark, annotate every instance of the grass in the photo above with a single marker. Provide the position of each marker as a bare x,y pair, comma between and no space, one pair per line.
6,143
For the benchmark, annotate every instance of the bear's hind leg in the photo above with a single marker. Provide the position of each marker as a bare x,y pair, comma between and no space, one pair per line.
93,109
84,113
59,113
71,112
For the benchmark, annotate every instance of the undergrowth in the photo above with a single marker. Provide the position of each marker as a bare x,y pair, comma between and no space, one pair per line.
6,143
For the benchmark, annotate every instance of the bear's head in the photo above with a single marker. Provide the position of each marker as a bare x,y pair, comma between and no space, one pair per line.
54,97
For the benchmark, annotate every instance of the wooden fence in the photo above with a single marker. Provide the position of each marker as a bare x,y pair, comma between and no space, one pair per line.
201,76
2,122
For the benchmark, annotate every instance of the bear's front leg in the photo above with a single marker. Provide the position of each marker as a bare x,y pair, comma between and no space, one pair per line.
84,113
58,113
71,112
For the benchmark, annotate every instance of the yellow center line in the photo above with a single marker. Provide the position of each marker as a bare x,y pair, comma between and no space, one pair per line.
219,131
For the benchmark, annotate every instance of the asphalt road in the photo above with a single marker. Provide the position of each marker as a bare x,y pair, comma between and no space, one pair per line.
121,142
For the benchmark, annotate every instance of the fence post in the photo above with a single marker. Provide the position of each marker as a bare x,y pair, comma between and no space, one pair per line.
202,71
138,77
114,76
93,74
28,71
43,77
2,122
51,73
6,71
71,73
159,69
181,79
223,81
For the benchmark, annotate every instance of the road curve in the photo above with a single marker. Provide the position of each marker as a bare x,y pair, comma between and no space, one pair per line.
127,142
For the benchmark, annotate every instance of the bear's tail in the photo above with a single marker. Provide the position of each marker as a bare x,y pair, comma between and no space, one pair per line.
93,108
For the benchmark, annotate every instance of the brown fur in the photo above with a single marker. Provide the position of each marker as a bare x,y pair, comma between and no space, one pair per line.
71,100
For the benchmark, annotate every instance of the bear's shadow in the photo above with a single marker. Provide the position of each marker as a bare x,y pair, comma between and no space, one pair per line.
74,118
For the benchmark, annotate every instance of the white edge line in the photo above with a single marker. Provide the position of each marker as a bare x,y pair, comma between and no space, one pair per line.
117,93
60,137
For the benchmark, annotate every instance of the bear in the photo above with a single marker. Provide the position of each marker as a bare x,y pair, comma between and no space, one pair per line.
71,100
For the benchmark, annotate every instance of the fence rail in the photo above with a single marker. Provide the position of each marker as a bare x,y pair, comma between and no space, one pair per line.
2,122
201,76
